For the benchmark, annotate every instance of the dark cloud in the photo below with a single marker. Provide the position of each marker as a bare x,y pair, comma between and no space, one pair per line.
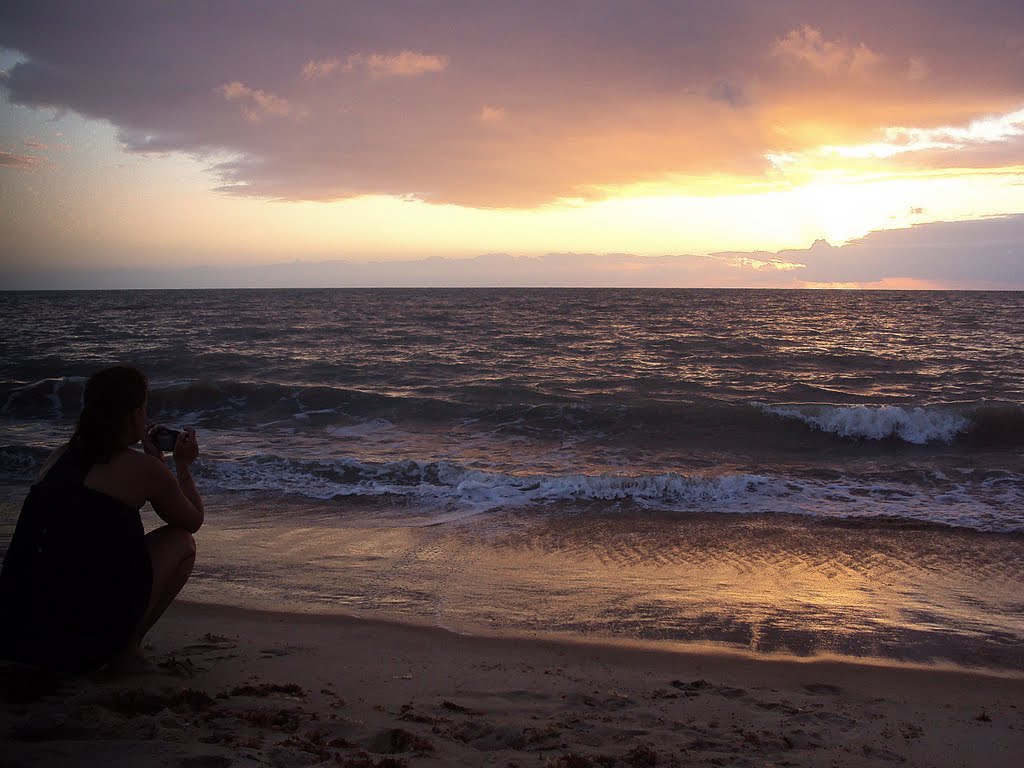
987,253
325,100
729,92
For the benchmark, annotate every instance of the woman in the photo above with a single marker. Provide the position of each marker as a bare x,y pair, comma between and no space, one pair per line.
82,583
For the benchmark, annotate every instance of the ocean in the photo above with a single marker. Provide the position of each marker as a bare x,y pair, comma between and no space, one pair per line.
808,473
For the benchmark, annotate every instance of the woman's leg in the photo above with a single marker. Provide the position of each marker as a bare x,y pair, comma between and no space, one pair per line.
172,553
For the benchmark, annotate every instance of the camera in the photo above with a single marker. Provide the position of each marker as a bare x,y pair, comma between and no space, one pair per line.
165,438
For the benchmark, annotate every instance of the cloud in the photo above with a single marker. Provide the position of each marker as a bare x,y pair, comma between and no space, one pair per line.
985,254
350,98
256,104
768,265
728,92
21,162
806,44
492,114
495,269
404,64
989,129
315,68
990,141
918,68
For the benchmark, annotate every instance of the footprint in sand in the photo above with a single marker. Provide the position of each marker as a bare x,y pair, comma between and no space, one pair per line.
279,650
703,686
823,689
264,690
210,642
175,667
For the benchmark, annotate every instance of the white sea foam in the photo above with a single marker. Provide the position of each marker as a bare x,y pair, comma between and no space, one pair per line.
877,422
445,482
492,488
992,502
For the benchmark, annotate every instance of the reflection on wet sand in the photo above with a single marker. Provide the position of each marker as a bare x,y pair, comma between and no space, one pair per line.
767,584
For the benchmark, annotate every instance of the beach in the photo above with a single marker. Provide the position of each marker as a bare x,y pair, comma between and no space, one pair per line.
238,687
529,385
555,527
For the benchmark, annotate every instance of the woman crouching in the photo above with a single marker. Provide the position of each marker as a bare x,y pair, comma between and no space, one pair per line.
82,582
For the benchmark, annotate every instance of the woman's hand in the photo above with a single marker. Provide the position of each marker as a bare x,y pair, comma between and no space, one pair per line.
186,448
148,445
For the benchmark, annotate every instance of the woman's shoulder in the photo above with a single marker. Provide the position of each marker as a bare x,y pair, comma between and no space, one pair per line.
129,476
137,463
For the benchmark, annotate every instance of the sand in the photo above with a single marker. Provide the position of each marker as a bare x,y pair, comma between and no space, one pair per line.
248,688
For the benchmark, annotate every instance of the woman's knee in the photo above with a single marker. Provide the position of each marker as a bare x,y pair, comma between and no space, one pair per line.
188,544
172,543
187,547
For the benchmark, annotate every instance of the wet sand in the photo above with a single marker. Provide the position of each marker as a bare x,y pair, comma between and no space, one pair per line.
241,687
774,584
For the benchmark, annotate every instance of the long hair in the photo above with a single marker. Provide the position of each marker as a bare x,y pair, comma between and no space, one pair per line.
110,397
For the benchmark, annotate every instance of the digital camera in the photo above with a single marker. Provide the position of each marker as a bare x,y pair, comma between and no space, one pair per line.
165,438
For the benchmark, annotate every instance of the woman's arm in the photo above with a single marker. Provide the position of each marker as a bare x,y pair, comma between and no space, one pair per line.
176,500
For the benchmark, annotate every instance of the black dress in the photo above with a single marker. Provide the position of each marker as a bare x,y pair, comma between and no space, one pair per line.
76,579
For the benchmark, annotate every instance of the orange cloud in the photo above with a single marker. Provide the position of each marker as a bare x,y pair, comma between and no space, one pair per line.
806,44
887,284
492,114
21,162
918,69
257,103
315,68
405,64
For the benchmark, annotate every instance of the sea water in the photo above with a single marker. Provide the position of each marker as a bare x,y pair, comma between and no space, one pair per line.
789,472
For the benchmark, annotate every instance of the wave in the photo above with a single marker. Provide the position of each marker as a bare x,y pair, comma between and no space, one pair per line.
710,423
202,400
443,481
984,501
880,422
21,463
991,424
51,398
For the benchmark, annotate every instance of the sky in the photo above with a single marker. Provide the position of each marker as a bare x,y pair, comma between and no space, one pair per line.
776,143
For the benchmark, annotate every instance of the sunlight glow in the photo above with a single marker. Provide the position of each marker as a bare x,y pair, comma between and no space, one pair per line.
902,139
109,206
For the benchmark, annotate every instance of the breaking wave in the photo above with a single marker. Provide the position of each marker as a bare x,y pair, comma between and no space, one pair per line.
443,481
912,425
987,502
985,423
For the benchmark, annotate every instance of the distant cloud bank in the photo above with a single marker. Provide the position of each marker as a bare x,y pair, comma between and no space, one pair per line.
985,255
